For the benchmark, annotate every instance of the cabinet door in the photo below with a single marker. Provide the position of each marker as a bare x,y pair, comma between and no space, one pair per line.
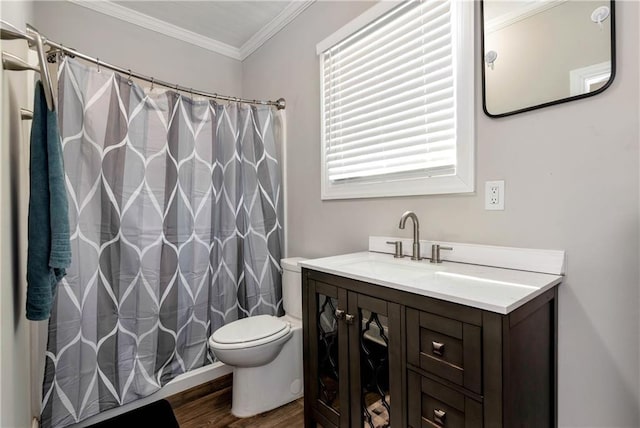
375,352
327,355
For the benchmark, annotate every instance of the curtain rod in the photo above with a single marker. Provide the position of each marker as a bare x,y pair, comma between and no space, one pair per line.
57,47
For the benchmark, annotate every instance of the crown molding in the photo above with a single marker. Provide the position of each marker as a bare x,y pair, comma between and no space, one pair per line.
287,15
131,16
150,23
519,14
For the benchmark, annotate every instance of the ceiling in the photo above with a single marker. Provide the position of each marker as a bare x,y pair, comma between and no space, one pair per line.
232,28
230,22
495,9
501,13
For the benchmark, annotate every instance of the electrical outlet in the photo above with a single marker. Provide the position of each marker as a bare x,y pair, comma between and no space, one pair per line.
494,195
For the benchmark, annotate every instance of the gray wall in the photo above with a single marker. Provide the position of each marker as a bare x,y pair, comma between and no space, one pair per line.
127,45
571,176
572,183
15,348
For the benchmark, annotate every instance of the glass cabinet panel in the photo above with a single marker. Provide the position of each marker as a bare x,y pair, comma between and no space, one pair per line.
328,375
374,369
328,355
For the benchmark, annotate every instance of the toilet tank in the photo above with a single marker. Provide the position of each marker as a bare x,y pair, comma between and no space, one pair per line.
292,286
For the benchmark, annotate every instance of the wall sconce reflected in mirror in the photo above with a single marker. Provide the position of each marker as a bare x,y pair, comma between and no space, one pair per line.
490,58
600,15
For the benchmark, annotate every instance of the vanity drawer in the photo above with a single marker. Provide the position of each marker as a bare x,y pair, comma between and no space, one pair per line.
432,404
446,347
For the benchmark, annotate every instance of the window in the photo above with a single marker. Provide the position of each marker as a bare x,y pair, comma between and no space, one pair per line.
397,97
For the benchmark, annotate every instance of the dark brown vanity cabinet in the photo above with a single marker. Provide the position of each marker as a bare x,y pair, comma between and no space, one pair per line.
379,357
353,348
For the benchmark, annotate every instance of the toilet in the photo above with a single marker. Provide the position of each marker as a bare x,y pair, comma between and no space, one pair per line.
265,351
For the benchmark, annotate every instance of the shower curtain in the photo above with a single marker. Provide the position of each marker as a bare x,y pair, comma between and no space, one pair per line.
175,208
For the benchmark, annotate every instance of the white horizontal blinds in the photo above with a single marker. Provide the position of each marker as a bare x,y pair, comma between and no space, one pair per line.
388,96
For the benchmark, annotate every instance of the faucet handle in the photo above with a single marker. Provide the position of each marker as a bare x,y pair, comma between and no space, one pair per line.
435,252
398,249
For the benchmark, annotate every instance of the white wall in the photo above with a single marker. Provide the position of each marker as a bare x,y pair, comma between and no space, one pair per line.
15,351
142,50
572,182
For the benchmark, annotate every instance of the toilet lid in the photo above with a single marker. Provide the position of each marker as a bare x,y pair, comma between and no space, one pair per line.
250,329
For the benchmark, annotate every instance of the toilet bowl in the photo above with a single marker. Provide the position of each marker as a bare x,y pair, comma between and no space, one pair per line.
265,352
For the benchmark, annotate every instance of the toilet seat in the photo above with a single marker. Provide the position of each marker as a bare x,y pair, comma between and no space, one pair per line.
249,332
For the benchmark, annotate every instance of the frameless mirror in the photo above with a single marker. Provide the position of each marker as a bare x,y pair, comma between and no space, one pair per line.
538,53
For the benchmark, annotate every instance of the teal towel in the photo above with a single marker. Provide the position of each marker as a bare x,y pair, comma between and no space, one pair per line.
49,248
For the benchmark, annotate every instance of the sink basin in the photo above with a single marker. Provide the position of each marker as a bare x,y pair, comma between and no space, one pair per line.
484,287
393,268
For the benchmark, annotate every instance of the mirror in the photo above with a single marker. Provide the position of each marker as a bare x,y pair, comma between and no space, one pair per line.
538,53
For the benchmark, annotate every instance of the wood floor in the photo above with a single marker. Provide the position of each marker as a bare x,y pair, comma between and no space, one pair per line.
210,406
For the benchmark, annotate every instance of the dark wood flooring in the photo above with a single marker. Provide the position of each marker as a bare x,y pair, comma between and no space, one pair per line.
209,406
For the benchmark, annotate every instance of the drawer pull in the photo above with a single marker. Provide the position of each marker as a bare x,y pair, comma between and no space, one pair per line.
348,318
439,416
339,314
437,348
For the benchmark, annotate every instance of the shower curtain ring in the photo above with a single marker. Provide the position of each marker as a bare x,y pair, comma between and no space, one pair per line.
98,64
152,80
129,81
191,93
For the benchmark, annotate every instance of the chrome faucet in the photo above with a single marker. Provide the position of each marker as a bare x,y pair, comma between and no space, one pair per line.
416,232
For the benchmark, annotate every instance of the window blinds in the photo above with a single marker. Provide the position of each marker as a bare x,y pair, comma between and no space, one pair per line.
388,96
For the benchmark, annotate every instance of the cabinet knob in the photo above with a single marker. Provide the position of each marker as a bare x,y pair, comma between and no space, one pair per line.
437,348
439,416
339,314
349,318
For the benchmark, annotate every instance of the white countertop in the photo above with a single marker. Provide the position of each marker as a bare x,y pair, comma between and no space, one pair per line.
489,288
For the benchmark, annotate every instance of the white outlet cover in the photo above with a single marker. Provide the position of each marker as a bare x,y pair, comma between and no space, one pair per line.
494,195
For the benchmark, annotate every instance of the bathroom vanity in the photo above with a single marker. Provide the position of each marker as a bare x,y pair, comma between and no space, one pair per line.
411,344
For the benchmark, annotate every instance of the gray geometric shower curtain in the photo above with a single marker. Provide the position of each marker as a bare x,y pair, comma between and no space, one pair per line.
175,208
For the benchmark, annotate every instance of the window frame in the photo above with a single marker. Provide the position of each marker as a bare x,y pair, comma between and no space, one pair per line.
463,181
